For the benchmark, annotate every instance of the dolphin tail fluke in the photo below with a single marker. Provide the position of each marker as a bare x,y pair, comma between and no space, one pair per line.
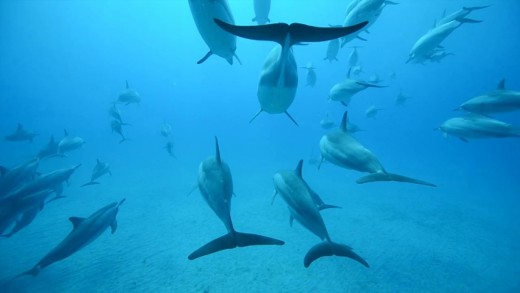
391,177
89,183
205,57
329,249
233,240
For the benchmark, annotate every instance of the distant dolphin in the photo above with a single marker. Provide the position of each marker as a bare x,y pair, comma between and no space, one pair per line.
332,50
85,230
100,169
128,96
169,149
69,143
13,178
343,150
353,57
166,129
478,126
216,186
117,127
461,14
302,206
372,111
116,114
310,78
49,150
262,8
401,99
279,77
21,134
220,42
344,91
497,101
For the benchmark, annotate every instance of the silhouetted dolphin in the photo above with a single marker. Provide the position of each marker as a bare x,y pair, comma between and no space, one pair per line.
497,101
216,186
279,77
20,134
342,149
15,177
85,230
302,206
220,42
100,169
478,126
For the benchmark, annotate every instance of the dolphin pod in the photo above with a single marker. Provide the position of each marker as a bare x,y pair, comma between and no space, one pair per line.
279,77
85,230
216,186
301,201
343,150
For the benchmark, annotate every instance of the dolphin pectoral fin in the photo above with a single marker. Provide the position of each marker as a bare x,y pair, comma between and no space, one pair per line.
89,183
291,220
231,240
205,57
292,119
274,196
236,57
381,176
192,189
329,249
113,226
370,84
328,206
468,20
256,115
463,139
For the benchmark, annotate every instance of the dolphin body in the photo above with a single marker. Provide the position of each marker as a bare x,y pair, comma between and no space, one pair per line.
311,77
342,149
371,112
353,57
13,178
262,8
498,101
116,114
401,99
52,180
85,230
21,134
69,143
49,150
344,91
279,77
128,96
100,169
117,127
166,129
302,206
220,42
216,186
332,50
21,211
478,126
461,15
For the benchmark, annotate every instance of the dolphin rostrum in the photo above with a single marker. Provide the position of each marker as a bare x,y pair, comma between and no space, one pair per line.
342,149
216,186
279,77
85,230
302,206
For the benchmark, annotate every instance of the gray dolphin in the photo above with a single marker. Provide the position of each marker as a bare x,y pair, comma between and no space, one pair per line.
216,186
220,42
279,77
116,114
85,230
21,134
129,96
262,8
21,211
344,91
117,127
49,150
311,77
169,149
461,14
497,101
401,99
69,143
343,150
302,206
100,169
166,129
332,50
372,111
15,177
478,126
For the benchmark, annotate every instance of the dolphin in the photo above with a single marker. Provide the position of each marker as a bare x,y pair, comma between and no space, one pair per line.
311,75
169,149
279,77
117,127
49,150
262,8
21,210
302,207
52,180
85,230
100,169
332,50
372,111
116,114
216,186
220,42
461,14
343,150
15,177
166,129
353,57
69,143
497,101
401,99
129,96
429,44
21,134
344,91
478,126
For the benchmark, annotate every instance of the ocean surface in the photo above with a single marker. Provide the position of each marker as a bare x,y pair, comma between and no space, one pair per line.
63,63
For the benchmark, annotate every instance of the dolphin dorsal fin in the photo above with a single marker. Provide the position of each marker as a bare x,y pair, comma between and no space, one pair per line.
76,221
65,132
97,161
51,141
298,169
20,127
217,151
343,125
127,87
501,84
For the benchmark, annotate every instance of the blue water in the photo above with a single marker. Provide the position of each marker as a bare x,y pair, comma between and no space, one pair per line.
62,63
